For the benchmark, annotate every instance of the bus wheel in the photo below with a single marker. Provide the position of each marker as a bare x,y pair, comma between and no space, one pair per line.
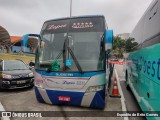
126,77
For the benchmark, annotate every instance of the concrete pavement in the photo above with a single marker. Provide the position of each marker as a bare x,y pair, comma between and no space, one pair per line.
130,100
24,100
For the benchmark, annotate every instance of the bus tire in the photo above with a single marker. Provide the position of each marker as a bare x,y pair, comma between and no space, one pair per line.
127,85
128,88
1,86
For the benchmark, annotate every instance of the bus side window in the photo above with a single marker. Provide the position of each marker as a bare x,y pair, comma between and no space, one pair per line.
151,26
153,10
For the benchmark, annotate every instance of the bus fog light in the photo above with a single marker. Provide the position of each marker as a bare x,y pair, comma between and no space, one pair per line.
39,85
95,88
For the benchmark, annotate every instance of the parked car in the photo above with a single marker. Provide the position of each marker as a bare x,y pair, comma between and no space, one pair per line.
15,74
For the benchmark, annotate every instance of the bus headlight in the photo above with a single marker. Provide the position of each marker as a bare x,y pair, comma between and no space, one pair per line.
95,88
5,76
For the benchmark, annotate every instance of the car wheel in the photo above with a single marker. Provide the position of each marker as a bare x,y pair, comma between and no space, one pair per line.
31,86
1,89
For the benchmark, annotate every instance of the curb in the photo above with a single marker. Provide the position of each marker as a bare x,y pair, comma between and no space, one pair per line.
122,95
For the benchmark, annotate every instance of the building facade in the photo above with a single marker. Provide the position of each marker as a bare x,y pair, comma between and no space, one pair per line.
124,36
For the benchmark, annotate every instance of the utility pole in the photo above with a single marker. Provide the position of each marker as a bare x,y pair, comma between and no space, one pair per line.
70,8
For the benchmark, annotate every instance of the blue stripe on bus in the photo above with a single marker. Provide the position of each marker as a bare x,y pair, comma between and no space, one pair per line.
76,97
38,95
65,74
98,100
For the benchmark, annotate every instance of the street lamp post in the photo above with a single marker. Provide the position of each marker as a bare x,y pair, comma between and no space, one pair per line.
70,8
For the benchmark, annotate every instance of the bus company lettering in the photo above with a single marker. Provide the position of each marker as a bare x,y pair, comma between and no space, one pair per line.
69,83
81,82
151,68
64,74
74,82
56,27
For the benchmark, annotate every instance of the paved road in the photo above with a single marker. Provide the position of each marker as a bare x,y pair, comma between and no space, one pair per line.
131,102
24,100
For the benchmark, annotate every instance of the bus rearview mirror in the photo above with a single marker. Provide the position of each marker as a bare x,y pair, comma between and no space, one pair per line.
24,41
108,39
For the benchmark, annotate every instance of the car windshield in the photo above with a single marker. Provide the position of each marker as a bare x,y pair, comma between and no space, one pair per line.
83,47
14,65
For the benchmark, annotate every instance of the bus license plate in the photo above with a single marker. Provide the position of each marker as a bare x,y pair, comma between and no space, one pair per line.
21,82
64,98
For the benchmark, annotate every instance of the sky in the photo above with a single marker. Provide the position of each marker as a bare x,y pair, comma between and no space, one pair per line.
20,17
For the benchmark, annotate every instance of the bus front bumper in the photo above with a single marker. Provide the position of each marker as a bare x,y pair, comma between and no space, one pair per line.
56,97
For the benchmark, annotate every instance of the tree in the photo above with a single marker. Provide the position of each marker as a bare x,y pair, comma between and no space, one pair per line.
118,43
118,47
130,44
32,43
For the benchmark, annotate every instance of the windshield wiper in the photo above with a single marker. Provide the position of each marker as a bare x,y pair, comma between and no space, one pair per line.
75,60
64,58
63,51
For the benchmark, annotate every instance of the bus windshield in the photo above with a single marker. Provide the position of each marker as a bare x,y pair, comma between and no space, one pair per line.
69,42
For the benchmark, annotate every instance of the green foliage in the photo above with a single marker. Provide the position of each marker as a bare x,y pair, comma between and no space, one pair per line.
120,46
130,44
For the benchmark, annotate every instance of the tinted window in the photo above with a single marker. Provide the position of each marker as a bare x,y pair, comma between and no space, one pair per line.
83,44
14,65
152,26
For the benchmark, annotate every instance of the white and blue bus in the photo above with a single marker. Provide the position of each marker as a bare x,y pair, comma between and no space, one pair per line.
70,64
